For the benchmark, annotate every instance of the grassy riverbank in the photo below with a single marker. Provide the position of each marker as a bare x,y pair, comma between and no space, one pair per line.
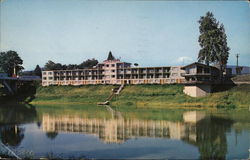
90,94
148,96
172,95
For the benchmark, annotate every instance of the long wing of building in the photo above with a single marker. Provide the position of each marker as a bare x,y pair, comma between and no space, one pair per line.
114,71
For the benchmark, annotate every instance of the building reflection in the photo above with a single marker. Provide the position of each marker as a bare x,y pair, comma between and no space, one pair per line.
118,130
208,133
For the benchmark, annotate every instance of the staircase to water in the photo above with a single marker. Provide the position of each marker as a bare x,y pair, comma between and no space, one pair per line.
115,92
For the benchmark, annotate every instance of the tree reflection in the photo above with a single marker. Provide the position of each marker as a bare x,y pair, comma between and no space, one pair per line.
17,114
51,135
10,118
11,135
211,137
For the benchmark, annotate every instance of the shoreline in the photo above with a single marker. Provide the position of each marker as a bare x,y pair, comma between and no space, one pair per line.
143,96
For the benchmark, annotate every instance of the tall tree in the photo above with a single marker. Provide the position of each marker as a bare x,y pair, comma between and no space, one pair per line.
213,42
222,49
38,71
10,61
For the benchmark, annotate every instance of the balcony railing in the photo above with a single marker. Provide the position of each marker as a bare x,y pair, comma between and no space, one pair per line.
196,74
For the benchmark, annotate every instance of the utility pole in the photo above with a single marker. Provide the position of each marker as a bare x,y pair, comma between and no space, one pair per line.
237,64
14,71
237,57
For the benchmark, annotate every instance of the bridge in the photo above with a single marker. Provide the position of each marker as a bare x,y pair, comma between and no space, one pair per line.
12,83
7,152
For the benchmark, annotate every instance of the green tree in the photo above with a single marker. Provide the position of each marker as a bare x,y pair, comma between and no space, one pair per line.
213,42
72,66
38,71
10,61
50,65
89,63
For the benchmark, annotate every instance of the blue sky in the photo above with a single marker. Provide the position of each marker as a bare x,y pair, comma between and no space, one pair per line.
150,33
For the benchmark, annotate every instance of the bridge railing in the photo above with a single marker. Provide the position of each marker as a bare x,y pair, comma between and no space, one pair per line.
33,78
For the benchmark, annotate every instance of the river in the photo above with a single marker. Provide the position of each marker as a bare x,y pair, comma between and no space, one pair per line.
89,131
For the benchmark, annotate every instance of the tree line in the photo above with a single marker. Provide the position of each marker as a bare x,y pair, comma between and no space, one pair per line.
212,40
11,62
89,63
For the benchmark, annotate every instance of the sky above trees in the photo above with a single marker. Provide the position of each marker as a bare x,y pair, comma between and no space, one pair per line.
150,33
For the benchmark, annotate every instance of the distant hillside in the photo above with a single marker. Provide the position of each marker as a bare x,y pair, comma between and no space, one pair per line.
242,78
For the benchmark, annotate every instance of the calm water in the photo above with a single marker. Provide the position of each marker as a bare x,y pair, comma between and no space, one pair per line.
124,132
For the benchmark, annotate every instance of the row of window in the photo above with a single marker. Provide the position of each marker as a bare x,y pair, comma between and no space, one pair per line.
106,77
118,81
112,65
49,73
95,71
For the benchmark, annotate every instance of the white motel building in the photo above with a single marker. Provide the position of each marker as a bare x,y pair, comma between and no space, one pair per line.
114,71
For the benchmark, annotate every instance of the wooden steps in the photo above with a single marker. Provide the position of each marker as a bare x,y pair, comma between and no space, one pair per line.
115,91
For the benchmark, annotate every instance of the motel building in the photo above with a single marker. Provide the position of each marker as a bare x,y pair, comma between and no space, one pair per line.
114,71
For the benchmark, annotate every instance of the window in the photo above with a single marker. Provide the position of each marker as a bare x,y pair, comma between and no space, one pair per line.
50,73
44,73
107,65
113,70
113,65
113,76
175,68
173,80
50,78
44,78
174,74
206,70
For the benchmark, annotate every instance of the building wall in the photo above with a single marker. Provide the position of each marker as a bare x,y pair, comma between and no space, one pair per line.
197,90
47,78
114,72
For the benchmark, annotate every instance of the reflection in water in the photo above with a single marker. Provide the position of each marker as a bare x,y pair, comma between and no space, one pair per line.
10,117
11,135
206,132
193,116
211,140
17,114
51,135
116,130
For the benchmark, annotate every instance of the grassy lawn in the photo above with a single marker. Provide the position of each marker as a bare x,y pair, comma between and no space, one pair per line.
148,96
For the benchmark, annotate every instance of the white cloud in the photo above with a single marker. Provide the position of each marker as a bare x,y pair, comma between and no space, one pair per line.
185,60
